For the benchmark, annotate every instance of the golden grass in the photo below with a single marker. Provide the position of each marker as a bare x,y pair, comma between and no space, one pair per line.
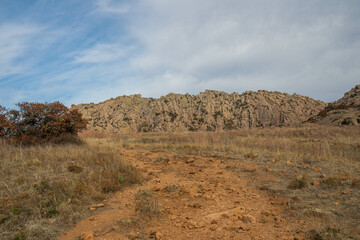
45,189
298,156
40,192
338,147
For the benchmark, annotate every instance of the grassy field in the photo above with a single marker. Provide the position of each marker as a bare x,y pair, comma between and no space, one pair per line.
46,189
314,170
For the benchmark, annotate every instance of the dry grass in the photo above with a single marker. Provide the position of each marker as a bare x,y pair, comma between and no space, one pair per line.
298,183
333,145
147,204
327,156
44,189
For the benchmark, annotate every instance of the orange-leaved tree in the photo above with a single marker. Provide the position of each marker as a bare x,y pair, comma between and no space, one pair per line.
40,122
5,124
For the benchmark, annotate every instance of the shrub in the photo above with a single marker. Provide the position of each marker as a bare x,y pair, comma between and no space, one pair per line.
5,125
146,204
41,122
298,183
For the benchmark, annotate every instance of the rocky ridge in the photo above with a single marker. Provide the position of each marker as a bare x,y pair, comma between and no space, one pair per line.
208,111
345,111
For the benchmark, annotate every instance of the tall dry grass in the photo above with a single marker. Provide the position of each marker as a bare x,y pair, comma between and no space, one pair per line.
330,145
45,188
292,154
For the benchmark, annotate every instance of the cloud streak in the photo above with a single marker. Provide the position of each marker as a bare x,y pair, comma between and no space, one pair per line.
15,41
101,53
110,7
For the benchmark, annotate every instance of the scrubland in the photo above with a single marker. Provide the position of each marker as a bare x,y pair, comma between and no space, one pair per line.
311,172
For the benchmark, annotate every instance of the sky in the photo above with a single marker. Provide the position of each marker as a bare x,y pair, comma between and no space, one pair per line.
77,51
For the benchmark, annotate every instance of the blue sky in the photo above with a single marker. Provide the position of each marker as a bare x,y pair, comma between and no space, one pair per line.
78,51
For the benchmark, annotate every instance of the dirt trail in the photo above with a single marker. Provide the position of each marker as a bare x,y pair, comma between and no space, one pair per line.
199,198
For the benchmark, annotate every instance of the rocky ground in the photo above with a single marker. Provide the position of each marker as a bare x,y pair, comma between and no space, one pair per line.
194,196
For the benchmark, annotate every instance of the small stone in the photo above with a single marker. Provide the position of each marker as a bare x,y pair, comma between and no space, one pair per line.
316,169
234,218
213,227
214,221
156,188
244,228
248,219
269,169
115,228
159,236
346,192
316,183
288,162
92,209
195,205
322,196
336,203
86,236
193,225
266,213
156,235
345,177
189,161
263,221
322,176
186,190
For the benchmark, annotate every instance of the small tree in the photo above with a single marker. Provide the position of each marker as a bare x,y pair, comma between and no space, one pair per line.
40,122
4,122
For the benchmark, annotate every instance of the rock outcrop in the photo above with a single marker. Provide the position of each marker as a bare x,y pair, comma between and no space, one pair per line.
207,111
345,111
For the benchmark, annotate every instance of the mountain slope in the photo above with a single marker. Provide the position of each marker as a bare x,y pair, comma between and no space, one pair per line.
209,110
345,111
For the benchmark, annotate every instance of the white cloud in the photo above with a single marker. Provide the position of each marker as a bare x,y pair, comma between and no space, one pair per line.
15,41
101,53
239,45
109,6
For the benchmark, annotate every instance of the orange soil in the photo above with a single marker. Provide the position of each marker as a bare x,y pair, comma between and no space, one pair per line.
209,202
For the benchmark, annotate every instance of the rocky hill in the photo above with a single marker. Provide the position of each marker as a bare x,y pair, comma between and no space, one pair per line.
209,111
345,111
